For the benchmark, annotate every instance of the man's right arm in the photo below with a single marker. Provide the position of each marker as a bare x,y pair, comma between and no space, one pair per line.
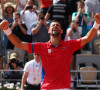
17,42
13,38
24,77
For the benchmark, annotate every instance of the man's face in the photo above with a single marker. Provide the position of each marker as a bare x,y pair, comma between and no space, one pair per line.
37,57
55,29
17,17
80,5
30,3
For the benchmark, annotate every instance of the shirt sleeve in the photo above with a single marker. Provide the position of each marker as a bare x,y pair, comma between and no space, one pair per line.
26,68
35,48
74,15
75,44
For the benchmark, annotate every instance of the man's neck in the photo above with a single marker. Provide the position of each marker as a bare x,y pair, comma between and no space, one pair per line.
55,40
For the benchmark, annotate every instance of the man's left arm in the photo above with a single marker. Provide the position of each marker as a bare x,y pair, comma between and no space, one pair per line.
90,35
23,29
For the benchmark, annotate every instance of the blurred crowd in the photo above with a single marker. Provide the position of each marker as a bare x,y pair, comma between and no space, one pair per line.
30,20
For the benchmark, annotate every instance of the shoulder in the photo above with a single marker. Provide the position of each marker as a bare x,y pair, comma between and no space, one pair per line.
29,63
72,42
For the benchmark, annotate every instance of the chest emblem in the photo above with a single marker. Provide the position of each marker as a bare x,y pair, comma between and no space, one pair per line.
63,48
49,50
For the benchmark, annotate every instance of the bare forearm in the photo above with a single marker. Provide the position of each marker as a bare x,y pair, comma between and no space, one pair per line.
23,29
77,16
89,36
36,29
25,75
69,32
47,16
3,11
17,42
85,19
12,27
22,83
16,6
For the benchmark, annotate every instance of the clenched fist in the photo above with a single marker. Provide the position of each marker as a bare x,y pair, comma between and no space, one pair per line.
97,18
4,24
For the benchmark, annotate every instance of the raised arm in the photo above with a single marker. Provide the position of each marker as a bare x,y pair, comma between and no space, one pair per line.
35,30
90,35
3,10
13,38
16,5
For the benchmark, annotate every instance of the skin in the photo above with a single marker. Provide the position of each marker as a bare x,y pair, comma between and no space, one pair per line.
81,10
9,10
72,26
25,75
29,3
55,35
55,39
18,22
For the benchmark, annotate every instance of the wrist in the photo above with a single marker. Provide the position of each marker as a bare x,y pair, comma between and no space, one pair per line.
7,31
96,25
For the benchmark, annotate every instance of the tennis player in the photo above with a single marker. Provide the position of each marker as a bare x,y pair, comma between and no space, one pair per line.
55,54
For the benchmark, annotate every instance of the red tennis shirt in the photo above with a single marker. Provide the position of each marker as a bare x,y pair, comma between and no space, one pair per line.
56,62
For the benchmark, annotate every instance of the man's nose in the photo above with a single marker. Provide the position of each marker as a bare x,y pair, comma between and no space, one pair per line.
55,25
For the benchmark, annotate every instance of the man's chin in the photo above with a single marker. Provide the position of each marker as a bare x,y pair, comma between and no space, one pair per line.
54,33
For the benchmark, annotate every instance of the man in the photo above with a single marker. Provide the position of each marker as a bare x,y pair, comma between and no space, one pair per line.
40,30
32,72
55,54
19,30
60,11
29,17
74,33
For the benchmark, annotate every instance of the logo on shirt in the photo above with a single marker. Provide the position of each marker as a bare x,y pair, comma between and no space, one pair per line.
63,48
49,50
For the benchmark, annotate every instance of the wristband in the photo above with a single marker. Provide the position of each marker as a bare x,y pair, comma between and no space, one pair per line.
96,25
7,32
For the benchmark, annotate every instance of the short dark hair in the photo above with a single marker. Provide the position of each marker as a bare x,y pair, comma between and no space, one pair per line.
57,21
17,13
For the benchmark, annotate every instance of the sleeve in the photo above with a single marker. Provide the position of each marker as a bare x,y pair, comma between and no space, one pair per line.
26,68
35,48
73,16
75,44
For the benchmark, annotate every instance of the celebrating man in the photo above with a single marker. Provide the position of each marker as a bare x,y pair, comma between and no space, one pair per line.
55,54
